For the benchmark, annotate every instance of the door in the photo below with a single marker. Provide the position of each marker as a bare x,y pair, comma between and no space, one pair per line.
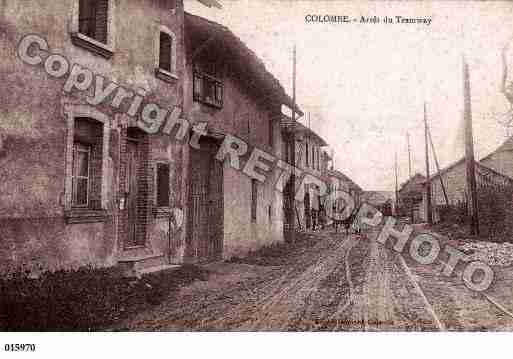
133,162
206,204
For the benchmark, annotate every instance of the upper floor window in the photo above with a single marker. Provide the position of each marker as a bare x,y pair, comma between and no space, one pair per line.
93,19
92,26
165,48
166,43
208,89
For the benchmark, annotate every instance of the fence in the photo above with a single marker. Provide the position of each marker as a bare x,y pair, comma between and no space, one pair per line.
495,204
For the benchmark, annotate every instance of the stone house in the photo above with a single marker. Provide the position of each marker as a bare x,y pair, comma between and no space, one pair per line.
340,182
454,179
94,170
410,197
312,163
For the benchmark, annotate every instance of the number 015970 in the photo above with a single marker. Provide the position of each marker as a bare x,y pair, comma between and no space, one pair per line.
20,347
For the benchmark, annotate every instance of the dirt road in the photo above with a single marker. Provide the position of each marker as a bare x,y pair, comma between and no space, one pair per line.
329,281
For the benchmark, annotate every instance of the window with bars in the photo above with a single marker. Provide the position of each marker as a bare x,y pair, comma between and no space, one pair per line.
93,19
165,52
208,89
162,186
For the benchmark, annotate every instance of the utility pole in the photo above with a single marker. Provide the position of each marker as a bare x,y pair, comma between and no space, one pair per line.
409,154
290,235
429,211
469,152
396,186
438,167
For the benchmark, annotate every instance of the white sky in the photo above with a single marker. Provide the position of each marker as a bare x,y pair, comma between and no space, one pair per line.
365,84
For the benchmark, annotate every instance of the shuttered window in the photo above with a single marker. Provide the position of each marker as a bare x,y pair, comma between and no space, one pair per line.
166,43
162,185
93,19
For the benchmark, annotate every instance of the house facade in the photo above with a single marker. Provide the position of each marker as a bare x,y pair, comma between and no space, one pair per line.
312,163
340,182
95,145
410,197
228,88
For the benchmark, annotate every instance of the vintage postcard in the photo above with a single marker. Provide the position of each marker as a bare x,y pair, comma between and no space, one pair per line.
255,166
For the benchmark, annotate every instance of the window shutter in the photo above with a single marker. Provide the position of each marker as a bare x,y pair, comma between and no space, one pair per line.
162,185
165,52
102,19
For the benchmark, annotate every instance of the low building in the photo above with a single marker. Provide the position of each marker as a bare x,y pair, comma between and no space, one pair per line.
341,182
312,163
410,197
454,180
383,201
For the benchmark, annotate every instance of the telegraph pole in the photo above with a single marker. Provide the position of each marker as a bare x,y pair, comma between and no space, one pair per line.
429,211
291,233
409,154
396,186
438,167
469,152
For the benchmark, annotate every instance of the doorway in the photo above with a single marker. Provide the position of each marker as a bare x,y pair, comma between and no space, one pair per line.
206,219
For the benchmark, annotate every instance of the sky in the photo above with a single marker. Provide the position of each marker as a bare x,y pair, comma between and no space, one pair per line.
365,84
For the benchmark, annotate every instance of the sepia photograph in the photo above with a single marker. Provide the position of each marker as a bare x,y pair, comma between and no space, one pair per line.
234,167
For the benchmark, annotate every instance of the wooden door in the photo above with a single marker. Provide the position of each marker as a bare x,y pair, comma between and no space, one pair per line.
206,204
132,192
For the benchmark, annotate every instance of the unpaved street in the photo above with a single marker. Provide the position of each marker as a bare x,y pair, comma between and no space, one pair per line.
329,281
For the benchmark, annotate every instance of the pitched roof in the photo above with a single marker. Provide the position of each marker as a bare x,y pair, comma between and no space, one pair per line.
505,146
211,3
249,62
345,178
378,197
286,123
461,161
416,178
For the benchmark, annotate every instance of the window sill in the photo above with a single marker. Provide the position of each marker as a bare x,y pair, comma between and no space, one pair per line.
85,215
162,212
209,104
92,45
166,75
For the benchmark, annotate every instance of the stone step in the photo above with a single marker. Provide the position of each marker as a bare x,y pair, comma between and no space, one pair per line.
156,269
132,265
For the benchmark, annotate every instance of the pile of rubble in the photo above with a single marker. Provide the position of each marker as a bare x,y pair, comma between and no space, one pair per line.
495,254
